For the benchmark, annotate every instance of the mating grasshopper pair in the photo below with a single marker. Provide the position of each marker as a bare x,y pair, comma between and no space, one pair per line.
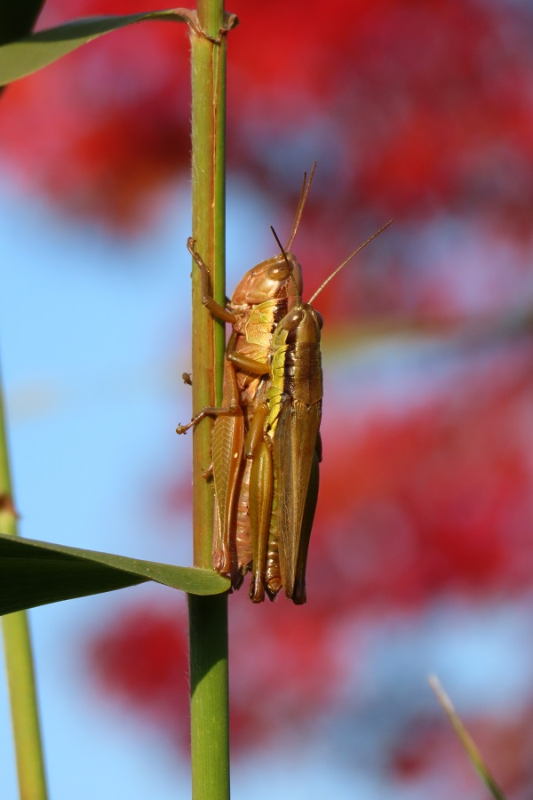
266,444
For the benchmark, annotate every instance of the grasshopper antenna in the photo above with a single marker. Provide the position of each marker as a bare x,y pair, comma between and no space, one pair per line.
306,185
281,247
349,259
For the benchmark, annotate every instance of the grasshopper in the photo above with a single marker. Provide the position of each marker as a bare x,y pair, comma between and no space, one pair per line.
287,454
285,467
260,300
266,444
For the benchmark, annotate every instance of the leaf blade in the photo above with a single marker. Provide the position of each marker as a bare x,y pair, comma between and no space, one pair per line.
25,56
34,573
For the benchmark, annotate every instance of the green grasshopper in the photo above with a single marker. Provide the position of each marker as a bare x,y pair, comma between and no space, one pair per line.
288,450
285,466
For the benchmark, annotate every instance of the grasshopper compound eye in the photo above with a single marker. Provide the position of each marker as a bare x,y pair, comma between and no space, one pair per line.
280,272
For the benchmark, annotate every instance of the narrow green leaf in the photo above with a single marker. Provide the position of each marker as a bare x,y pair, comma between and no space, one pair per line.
17,18
466,740
34,573
22,57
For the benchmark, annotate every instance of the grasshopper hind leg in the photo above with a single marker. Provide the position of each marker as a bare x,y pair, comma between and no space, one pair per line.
273,582
262,484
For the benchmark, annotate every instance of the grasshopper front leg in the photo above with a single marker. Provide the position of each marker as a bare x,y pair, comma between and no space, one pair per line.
218,311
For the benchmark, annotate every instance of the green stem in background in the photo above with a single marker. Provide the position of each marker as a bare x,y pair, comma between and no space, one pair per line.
18,656
466,740
208,616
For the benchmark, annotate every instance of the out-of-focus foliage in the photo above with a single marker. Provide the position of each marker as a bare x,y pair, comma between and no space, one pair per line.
417,111
407,106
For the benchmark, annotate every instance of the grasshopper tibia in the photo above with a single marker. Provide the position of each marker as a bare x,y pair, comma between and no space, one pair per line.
230,411
207,299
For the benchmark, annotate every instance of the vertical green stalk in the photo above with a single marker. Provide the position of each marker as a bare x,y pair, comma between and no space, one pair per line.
208,615
18,656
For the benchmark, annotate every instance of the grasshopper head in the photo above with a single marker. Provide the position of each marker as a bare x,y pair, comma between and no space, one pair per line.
276,278
301,325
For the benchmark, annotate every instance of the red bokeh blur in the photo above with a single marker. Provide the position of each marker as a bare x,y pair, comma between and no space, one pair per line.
417,111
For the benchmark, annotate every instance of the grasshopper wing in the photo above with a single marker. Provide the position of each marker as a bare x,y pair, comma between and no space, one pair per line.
295,462
227,451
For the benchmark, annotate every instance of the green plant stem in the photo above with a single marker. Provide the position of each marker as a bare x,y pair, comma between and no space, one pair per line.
18,657
466,740
208,616
208,636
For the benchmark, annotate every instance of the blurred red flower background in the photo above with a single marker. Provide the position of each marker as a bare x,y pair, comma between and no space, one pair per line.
418,111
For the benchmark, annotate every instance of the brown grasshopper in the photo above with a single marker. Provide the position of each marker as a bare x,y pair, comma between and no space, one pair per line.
266,444
260,300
